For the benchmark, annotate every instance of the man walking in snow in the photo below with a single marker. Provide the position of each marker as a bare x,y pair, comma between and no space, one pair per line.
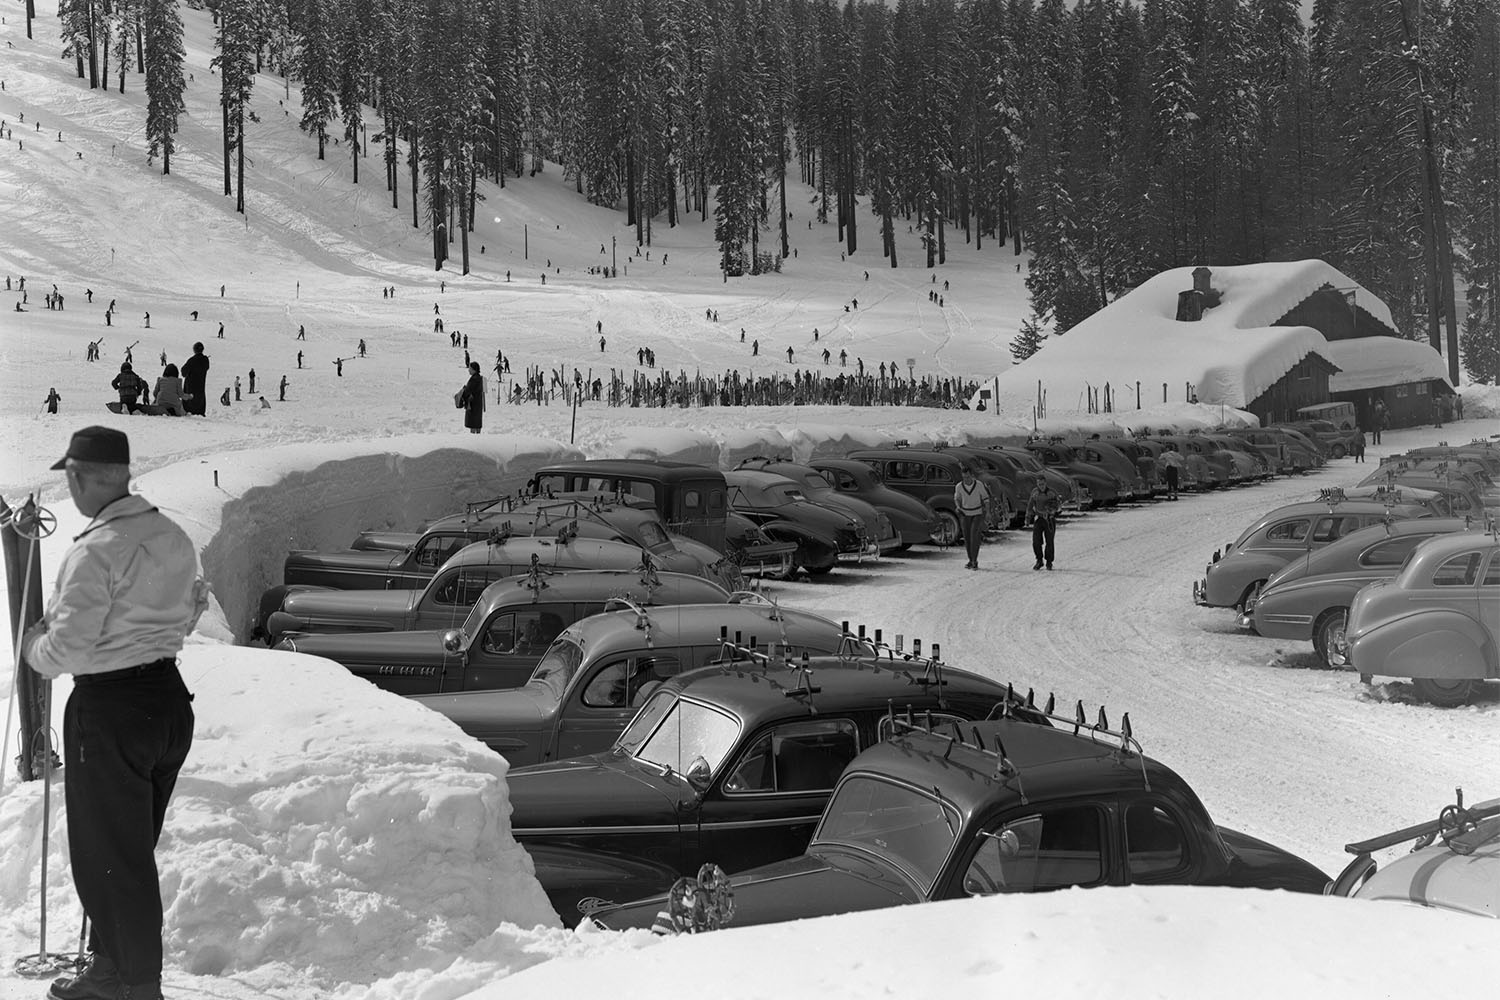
282,398
973,502
195,381
1041,512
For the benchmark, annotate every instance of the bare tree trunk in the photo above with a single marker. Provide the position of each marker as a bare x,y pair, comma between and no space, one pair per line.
411,162
239,141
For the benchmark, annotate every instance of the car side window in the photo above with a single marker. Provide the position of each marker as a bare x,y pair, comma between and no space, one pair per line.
692,500
1154,843
1460,571
938,474
435,550
1333,527
627,682
1492,575
847,482
523,633
462,589
1289,531
795,757
716,501
1053,849
1392,551
500,634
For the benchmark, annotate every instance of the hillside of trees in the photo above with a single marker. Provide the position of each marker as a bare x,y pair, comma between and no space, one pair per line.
1109,139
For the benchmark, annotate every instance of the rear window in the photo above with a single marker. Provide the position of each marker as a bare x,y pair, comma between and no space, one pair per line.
1289,531
1391,552
1460,571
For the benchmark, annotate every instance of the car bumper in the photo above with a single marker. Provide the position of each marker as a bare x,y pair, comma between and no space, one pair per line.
769,558
1200,593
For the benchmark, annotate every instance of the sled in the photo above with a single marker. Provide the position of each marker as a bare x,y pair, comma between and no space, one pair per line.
146,409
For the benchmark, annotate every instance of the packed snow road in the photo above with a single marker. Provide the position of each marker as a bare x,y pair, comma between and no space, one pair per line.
1257,726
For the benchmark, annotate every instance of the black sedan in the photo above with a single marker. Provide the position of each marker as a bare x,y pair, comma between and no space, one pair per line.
912,519
780,509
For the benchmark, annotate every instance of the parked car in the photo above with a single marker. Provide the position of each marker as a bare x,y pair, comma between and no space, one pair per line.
693,500
1309,598
995,467
588,517
1437,503
880,534
1285,452
1454,863
1144,456
1336,442
1003,806
499,642
1464,497
1103,454
1340,413
778,507
1093,486
599,670
1275,539
1478,450
930,476
912,518
1437,621
385,591
733,763
1221,467
1030,466
1247,458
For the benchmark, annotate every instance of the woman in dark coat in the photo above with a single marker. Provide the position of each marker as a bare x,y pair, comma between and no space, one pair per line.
471,398
195,381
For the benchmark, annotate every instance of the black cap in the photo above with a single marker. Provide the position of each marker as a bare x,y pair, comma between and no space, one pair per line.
97,444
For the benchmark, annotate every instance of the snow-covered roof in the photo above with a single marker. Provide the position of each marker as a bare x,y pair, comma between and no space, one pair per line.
1231,355
1370,362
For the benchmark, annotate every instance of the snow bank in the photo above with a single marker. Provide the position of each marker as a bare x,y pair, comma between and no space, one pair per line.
319,822
1167,942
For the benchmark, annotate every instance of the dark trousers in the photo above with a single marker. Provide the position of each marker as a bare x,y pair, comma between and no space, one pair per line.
1043,531
1172,480
972,526
125,737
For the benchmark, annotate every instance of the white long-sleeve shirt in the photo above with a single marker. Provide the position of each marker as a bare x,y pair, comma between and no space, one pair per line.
127,593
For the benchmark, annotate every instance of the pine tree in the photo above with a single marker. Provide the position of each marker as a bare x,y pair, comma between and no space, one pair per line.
316,66
1028,341
1476,193
164,80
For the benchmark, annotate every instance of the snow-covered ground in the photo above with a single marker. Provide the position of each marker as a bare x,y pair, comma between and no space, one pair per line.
329,840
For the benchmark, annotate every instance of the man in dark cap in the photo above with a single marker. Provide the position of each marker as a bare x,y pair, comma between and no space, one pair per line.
195,381
127,594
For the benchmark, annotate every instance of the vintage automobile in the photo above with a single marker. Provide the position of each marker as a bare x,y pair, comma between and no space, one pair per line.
912,519
996,471
599,670
1340,413
1453,864
1094,486
1219,468
1465,499
1436,622
1286,453
1027,461
501,639
733,762
1336,442
1143,456
346,592
1245,455
1289,532
776,504
930,476
1309,598
1478,450
693,500
948,811
591,516
880,534
1437,503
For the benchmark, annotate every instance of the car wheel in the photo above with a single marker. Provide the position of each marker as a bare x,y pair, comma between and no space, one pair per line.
947,531
1338,451
1328,629
1445,692
1251,591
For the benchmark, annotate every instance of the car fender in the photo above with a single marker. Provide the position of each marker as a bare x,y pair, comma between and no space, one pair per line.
1438,643
1228,578
273,598
575,879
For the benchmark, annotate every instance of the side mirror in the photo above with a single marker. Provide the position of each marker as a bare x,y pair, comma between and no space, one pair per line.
698,775
453,641
1010,844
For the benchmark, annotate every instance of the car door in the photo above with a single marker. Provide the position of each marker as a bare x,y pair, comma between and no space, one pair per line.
1459,582
424,559
451,595
606,697
510,643
768,799
1038,849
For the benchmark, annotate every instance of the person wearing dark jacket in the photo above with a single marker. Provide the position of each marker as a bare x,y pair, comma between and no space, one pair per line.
195,381
471,398
1041,511
130,386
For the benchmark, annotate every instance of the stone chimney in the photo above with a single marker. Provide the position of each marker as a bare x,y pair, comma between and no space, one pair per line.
1202,280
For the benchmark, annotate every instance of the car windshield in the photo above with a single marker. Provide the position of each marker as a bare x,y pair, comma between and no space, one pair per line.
557,667
912,830
652,535
672,733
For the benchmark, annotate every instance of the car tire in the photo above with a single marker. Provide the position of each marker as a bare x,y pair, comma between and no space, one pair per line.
1444,692
948,532
1326,630
1250,591
1339,451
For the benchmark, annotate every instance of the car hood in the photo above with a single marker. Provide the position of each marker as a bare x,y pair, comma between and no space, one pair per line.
586,793
370,647
1259,865
383,604
818,883
375,561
